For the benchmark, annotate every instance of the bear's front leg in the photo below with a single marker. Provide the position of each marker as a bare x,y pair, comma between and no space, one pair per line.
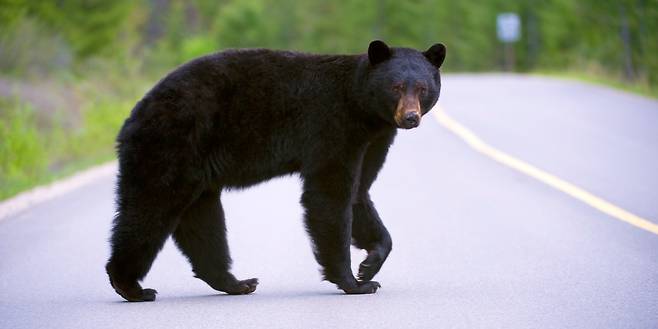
368,231
370,234
327,199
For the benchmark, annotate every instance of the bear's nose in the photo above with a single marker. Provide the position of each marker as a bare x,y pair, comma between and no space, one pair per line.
411,120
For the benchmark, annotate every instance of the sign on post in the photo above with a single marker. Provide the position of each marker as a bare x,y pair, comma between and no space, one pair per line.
508,29
508,26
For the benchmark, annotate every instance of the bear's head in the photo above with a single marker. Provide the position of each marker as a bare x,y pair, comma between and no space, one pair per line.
403,84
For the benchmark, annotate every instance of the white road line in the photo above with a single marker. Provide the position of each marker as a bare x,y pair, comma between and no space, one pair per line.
576,192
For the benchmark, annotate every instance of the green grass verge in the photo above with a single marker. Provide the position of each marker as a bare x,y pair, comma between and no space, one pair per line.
34,152
639,87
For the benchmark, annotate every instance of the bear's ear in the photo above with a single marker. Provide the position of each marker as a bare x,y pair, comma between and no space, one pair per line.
378,52
436,54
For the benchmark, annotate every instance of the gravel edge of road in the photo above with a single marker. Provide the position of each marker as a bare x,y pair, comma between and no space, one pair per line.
40,194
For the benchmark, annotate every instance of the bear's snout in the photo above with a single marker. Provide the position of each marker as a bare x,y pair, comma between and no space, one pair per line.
407,113
411,120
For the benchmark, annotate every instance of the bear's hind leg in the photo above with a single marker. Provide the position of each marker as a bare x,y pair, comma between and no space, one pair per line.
201,236
135,243
146,216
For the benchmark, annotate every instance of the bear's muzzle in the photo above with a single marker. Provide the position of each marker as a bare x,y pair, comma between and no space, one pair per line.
407,114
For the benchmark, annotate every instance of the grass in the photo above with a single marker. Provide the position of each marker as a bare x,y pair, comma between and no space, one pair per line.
22,152
637,87
35,151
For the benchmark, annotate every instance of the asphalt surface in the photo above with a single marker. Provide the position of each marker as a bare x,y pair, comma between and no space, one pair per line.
476,244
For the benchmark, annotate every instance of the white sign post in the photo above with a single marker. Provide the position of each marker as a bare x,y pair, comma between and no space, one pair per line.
508,29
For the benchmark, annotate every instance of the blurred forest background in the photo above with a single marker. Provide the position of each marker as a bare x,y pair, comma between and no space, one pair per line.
71,70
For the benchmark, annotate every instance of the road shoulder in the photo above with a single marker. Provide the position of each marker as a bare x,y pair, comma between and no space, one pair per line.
40,194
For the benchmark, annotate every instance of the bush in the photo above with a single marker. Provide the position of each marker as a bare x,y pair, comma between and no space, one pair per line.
23,155
29,48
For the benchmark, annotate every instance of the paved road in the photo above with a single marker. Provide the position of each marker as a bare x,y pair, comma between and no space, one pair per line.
483,247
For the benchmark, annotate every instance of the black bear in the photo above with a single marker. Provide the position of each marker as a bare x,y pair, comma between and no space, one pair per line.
239,117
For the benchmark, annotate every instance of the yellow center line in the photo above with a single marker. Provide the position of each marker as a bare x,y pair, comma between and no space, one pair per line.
579,193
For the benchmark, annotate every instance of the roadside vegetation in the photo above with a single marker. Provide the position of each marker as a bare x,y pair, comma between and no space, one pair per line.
71,70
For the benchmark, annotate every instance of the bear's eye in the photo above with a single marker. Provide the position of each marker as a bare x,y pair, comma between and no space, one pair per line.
397,88
422,90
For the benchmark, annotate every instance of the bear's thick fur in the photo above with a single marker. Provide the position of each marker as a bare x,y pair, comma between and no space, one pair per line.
240,117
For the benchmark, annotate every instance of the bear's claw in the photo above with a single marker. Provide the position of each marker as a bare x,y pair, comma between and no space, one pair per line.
148,295
242,287
370,266
367,287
